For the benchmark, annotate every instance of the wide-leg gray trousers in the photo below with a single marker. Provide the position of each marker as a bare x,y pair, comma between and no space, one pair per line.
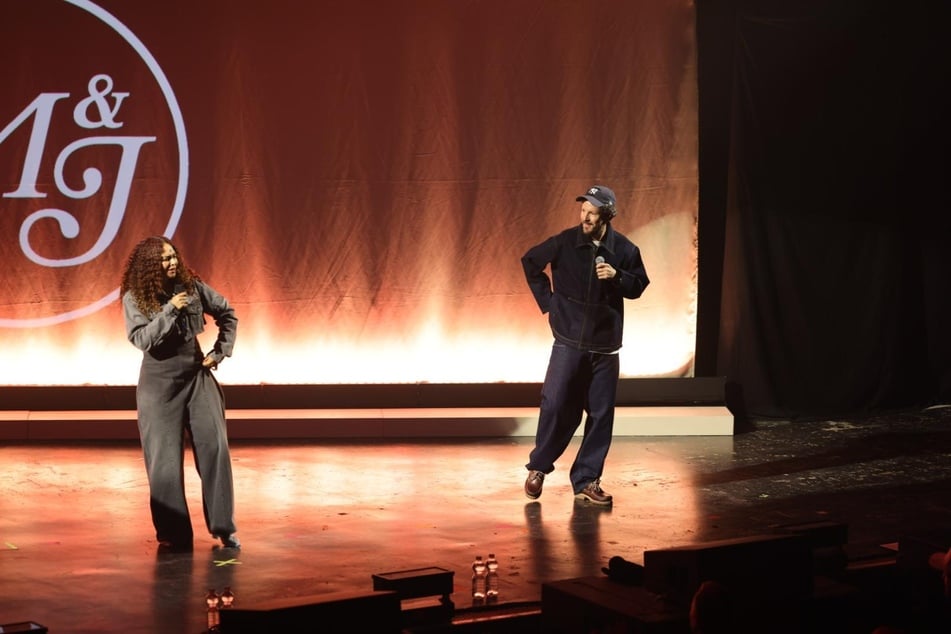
178,399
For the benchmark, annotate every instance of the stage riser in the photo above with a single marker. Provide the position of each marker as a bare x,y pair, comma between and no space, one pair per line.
366,423
640,392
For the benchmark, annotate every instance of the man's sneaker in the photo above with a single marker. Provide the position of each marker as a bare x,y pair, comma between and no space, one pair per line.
592,493
533,484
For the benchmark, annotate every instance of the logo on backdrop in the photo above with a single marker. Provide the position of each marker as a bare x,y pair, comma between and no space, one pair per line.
92,198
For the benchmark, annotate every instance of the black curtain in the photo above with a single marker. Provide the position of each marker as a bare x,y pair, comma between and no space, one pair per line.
824,206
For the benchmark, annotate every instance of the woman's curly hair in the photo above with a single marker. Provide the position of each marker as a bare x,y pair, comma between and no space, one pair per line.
146,279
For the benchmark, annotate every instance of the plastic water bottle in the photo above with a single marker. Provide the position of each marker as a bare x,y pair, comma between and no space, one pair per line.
212,600
478,579
227,597
491,577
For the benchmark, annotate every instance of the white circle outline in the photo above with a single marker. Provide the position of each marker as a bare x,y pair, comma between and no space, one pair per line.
176,113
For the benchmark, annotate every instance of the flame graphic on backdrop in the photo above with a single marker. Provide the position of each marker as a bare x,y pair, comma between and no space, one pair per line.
365,230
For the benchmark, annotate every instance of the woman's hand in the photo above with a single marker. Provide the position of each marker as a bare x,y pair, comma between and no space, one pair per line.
180,300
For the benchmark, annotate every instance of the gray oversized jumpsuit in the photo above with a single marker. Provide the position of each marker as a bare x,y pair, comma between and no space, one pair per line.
176,394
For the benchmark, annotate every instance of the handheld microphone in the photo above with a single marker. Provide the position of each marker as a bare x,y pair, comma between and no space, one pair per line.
598,260
179,319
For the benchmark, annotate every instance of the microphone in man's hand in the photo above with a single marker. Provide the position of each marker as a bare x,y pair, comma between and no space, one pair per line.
179,288
599,259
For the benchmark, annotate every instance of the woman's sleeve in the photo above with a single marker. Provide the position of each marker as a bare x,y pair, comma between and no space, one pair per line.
145,333
215,304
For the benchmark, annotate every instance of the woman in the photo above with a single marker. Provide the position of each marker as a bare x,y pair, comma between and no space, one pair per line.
165,304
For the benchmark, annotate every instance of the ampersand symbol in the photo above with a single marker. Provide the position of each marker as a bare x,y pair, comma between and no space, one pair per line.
98,98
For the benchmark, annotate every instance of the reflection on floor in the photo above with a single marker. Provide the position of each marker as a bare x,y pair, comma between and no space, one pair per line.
77,551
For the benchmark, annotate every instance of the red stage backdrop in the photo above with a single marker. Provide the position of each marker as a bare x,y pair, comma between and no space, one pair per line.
359,177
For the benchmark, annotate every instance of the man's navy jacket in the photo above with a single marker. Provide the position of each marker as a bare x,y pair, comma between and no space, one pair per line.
584,312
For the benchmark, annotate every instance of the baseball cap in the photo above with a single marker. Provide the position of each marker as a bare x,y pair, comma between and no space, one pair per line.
598,195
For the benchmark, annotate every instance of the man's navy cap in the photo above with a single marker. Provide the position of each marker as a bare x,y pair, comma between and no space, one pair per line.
598,195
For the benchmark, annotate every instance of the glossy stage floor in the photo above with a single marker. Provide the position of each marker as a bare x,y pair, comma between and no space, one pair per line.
320,517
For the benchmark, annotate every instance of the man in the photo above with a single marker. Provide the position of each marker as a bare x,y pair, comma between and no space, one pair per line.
593,268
